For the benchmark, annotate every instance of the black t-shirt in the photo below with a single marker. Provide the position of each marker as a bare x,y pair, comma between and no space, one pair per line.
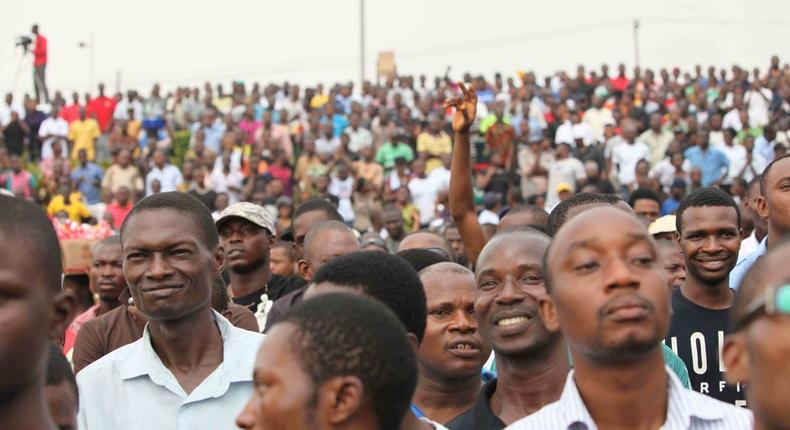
696,334
480,416
278,286
207,198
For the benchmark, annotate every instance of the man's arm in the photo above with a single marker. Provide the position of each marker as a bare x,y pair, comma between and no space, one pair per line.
462,205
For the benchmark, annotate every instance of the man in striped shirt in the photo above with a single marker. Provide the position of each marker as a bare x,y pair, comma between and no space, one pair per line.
609,298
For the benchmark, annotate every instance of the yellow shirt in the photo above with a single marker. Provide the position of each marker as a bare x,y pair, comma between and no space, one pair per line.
435,146
76,210
318,101
83,134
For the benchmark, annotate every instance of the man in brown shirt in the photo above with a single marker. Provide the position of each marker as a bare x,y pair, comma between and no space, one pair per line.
124,325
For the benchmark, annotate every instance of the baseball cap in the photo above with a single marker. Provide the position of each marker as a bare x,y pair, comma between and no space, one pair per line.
250,212
564,187
665,224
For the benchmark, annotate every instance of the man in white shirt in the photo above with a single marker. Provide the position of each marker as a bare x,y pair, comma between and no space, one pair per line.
226,179
8,107
626,155
358,137
657,139
52,129
735,152
168,175
608,296
567,170
597,117
424,192
191,369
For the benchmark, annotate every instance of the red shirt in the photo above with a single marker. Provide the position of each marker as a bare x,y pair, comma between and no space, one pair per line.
40,51
620,83
118,213
103,107
70,112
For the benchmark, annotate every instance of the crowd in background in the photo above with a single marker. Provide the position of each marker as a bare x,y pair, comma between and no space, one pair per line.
534,141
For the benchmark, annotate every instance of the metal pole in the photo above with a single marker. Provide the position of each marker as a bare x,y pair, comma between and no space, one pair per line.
361,43
92,55
117,81
636,42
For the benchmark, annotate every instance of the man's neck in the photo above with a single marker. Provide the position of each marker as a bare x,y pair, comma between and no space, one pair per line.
244,284
26,410
526,385
188,356
443,399
106,306
773,231
716,296
631,395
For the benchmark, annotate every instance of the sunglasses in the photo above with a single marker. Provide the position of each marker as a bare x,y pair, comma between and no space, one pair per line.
775,301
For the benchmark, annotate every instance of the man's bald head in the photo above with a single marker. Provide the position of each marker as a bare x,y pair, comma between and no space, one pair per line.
445,267
424,239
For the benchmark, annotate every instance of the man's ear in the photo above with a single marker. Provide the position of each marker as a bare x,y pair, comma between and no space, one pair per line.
762,207
219,259
63,309
272,239
677,240
735,359
548,314
305,271
343,397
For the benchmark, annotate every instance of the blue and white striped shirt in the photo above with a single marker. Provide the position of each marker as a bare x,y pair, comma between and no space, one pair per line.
687,410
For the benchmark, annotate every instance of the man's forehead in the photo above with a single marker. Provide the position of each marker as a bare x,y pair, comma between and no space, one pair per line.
525,245
595,225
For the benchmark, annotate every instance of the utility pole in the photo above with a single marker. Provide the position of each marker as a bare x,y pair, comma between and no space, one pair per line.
117,81
636,42
361,44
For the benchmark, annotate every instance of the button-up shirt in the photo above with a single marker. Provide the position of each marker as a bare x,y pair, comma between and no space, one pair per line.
686,409
743,266
712,162
91,176
168,176
131,388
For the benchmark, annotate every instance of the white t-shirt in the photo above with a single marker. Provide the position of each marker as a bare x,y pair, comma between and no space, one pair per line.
55,127
343,190
737,156
488,217
626,156
441,175
423,193
568,170
221,183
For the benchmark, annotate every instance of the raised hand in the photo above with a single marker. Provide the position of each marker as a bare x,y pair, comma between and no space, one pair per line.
465,109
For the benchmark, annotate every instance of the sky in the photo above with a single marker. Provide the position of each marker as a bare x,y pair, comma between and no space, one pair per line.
179,42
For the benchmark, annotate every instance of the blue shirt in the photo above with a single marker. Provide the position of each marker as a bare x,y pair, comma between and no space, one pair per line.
740,269
712,162
89,174
669,206
213,140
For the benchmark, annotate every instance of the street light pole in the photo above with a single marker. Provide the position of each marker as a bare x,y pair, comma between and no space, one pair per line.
636,42
361,43
90,45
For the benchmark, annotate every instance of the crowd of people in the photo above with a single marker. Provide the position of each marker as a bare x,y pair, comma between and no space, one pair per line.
406,255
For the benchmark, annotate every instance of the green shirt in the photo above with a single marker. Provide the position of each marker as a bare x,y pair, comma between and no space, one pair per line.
388,152
670,359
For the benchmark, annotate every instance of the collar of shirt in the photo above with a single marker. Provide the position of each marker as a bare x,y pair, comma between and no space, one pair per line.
682,406
235,367
480,416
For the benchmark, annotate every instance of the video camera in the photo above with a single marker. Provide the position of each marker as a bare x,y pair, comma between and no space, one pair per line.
24,42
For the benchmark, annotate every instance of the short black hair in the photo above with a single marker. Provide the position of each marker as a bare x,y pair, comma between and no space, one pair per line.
543,217
59,370
220,299
559,214
384,277
705,197
757,180
419,259
643,193
318,204
767,171
26,226
111,240
339,334
184,204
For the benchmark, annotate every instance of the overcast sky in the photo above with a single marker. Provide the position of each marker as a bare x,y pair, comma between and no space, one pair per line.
307,41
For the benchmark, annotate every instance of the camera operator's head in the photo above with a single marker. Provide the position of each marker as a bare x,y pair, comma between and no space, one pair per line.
34,30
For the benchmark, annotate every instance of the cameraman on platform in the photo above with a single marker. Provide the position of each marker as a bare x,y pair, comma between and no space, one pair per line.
40,65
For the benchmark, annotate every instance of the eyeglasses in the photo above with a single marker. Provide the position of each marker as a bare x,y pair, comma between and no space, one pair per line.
775,301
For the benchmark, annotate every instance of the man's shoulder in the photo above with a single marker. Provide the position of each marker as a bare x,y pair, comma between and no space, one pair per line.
106,367
708,408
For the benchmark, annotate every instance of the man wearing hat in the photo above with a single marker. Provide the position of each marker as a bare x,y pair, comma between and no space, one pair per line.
246,232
